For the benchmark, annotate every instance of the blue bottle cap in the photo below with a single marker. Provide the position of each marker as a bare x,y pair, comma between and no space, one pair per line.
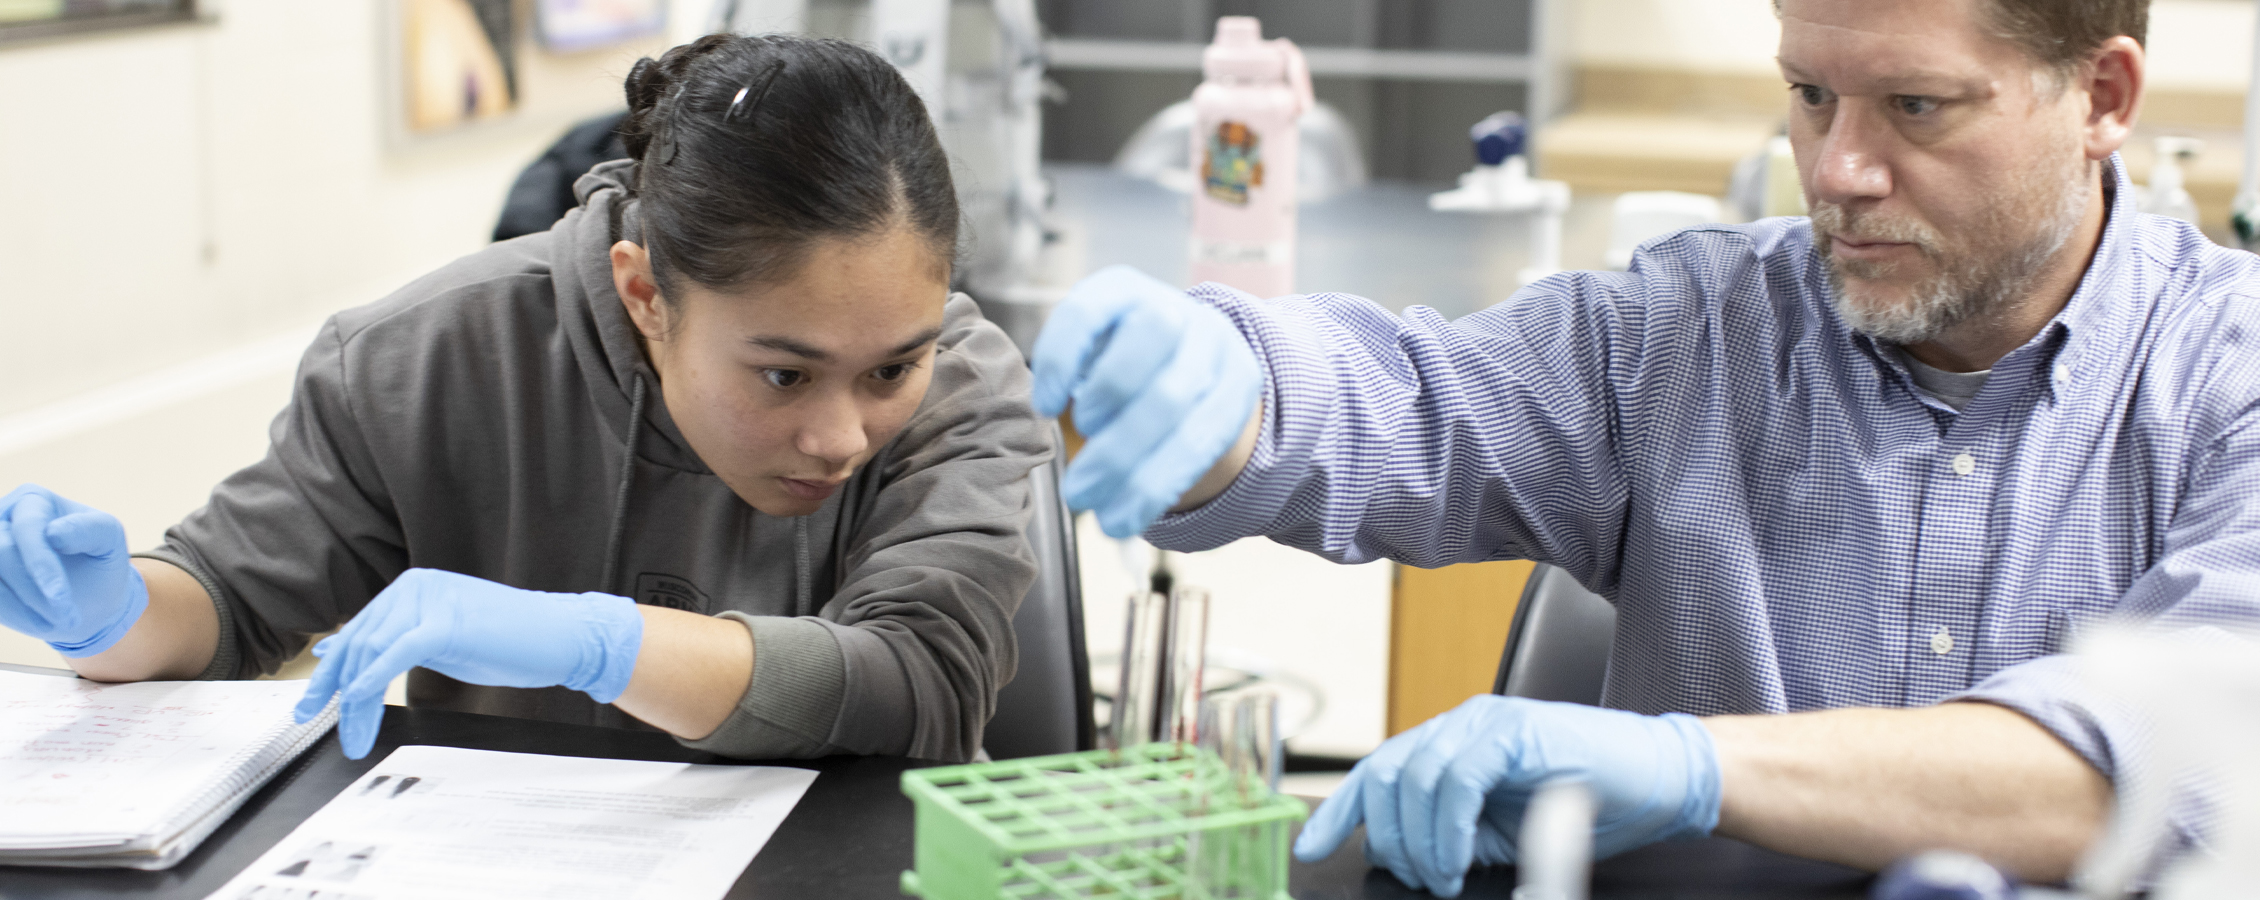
1943,875
1498,136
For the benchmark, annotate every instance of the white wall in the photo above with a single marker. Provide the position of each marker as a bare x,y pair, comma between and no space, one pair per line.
2193,44
2201,44
176,191
1728,36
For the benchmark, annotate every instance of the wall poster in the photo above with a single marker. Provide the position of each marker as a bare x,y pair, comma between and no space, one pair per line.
459,61
569,25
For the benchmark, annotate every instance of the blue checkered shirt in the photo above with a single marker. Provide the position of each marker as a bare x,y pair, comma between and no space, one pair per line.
1782,519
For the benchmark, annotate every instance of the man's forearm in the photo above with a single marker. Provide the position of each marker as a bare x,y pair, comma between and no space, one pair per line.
1222,474
175,637
1867,786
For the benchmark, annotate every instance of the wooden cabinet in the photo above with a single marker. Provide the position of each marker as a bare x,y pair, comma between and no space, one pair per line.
1446,630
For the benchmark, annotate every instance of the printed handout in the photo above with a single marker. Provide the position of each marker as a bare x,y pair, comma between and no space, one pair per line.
444,822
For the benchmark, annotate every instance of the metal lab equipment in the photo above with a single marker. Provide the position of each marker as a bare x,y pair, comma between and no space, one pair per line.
2244,211
979,67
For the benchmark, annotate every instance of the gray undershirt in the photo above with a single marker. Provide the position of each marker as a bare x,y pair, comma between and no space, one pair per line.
1955,389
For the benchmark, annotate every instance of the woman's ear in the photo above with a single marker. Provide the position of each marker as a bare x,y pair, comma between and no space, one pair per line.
639,291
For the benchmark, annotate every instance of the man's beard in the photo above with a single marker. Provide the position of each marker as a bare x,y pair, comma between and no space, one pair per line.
1990,271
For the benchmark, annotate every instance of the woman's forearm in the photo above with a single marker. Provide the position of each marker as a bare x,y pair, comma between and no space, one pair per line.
1867,786
174,639
690,672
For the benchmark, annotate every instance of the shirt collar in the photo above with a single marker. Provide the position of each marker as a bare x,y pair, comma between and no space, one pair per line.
2098,305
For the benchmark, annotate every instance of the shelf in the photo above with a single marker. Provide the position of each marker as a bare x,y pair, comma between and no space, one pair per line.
33,31
1325,62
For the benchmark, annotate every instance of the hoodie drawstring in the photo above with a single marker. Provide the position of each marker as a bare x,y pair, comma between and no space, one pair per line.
627,479
802,590
800,567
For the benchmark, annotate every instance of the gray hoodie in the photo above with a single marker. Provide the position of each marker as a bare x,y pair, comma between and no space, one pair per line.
479,420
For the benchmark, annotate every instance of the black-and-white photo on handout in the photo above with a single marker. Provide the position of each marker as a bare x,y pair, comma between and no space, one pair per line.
389,786
329,861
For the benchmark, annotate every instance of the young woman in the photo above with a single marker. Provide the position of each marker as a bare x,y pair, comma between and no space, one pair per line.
719,452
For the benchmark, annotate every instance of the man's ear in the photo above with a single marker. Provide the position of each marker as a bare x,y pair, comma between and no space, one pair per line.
639,291
2113,84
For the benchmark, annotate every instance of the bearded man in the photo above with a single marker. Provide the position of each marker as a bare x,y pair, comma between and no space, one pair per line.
1851,481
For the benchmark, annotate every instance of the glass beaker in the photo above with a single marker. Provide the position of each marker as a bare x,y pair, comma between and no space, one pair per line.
1242,862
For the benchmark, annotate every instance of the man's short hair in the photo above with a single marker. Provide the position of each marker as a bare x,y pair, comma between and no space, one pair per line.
2062,35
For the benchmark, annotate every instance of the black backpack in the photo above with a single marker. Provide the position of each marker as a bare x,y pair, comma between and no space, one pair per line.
544,192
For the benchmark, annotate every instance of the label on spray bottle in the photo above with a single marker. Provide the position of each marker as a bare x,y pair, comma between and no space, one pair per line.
1232,163
1231,171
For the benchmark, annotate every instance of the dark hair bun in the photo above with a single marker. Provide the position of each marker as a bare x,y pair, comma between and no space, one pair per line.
648,85
645,84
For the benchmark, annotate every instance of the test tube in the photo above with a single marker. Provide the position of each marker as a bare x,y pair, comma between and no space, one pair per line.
1260,743
1187,655
1145,658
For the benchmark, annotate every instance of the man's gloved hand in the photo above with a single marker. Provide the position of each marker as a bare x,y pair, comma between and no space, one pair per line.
474,630
1163,386
1451,792
65,575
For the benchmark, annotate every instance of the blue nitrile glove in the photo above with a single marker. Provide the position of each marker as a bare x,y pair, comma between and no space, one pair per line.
1163,385
1450,793
470,629
65,575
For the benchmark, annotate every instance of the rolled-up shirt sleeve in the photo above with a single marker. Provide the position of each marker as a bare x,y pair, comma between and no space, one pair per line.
2206,581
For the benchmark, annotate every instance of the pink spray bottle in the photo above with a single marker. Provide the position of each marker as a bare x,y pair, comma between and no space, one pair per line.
1245,146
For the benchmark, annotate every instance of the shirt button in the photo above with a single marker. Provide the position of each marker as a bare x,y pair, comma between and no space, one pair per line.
1964,464
2063,372
1942,643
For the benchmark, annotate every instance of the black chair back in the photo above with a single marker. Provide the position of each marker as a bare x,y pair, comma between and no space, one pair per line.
1046,708
1558,646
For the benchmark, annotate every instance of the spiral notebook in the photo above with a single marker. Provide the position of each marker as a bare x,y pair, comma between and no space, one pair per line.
135,775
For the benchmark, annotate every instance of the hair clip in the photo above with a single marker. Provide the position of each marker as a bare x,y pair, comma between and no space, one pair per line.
674,113
757,89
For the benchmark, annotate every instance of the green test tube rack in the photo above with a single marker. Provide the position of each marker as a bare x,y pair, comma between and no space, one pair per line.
1162,821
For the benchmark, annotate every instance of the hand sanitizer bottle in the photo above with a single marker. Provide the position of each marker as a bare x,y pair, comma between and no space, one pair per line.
1244,154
